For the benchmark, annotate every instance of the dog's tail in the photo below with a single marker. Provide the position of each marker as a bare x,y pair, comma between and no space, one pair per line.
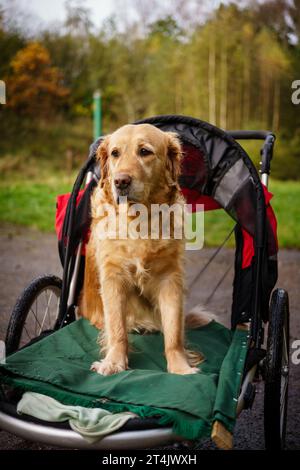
198,317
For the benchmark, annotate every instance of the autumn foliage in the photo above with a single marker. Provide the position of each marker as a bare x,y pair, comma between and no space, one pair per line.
232,65
35,87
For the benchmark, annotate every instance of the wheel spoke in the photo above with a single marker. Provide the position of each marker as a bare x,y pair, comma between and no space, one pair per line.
48,300
49,316
37,322
27,332
283,391
277,371
34,310
283,407
35,315
285,348
57,307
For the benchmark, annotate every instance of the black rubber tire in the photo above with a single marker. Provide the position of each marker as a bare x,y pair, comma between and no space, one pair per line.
23,306
276,370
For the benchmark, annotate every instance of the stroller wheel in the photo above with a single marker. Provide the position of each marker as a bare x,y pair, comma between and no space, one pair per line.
35,313
277,371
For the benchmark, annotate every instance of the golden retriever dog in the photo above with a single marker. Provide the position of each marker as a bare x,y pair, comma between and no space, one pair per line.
136,284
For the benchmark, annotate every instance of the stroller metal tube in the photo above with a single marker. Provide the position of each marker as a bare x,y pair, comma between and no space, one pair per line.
248,379
249,135
73,284
266,151
122,440
265,179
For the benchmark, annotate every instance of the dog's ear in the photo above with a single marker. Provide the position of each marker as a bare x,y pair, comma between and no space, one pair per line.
174,156
102,157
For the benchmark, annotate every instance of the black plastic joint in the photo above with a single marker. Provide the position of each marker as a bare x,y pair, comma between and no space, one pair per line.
249,396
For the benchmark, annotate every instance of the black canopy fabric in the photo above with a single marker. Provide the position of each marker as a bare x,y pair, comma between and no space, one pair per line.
222,169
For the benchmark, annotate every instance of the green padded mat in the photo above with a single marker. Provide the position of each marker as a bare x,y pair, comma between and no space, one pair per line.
59,365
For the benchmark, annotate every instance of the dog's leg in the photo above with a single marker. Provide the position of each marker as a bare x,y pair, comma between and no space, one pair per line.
170,299
115,333
90,303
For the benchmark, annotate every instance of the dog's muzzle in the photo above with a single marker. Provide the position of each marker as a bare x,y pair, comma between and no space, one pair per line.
122,183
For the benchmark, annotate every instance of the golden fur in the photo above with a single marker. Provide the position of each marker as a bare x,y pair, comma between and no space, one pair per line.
136,284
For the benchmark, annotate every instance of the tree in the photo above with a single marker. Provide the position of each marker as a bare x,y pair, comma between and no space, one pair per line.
294,11
10,42
78,22
276,15
274,64
34,87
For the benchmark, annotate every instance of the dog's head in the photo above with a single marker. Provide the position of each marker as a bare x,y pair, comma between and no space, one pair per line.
139,160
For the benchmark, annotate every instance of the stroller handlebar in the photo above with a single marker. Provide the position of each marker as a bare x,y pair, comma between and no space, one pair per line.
251,135
266,150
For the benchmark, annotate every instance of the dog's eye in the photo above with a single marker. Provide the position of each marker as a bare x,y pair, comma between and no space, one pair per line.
144,152
115,153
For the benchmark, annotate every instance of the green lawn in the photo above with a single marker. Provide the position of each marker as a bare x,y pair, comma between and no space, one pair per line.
32,203
286,203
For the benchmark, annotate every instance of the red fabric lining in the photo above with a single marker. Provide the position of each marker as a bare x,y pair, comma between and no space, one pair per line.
193,197
61,207
248,245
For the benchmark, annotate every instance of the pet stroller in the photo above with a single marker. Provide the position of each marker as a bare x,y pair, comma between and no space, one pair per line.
42,349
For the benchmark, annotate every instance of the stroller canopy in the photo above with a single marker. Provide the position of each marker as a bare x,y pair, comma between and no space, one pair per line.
216,170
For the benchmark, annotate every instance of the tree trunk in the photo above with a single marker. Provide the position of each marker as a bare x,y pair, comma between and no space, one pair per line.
246,92
239,104
212,79
265,101
224,91
276,106
131,115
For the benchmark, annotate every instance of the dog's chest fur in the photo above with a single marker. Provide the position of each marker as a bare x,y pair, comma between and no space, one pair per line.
142,262
139,270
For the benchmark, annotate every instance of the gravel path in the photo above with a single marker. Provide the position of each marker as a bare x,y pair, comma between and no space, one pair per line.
26,253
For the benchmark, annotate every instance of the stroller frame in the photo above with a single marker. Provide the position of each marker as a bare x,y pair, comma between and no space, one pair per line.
150,436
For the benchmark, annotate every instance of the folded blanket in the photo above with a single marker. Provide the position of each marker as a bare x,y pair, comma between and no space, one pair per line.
91,423
59,366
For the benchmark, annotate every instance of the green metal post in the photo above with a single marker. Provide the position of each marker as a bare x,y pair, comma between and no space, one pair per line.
2,92
97,115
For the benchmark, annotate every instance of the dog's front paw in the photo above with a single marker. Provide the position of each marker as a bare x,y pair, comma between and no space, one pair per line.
107,367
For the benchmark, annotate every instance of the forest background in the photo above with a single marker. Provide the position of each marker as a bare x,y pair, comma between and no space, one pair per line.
233,65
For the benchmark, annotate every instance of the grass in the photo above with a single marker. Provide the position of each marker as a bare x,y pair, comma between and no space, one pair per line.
32,203
286,204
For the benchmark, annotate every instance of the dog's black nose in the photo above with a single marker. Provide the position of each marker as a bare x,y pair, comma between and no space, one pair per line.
122,181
